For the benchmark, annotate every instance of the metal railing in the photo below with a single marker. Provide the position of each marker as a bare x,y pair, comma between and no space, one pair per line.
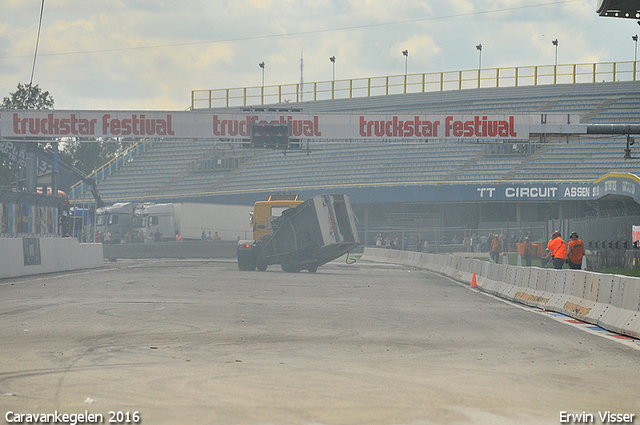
416,83
78,189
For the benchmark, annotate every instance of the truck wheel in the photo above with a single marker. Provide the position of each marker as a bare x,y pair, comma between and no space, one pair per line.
251,264
246,263
290,268
313,269
261,266
242,265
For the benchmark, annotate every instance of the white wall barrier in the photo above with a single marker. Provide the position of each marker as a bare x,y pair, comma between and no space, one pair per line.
610,301
28,256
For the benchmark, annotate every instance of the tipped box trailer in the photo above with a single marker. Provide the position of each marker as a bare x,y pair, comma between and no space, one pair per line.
304,237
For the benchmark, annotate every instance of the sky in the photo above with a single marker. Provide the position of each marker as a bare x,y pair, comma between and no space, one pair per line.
150,54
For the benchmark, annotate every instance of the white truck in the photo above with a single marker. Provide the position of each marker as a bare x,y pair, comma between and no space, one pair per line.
192,220
115,221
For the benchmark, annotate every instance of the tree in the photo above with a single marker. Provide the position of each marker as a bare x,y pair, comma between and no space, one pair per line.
28,97
87,156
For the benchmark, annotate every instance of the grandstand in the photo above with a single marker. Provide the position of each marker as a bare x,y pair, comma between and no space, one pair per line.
392,174
172,169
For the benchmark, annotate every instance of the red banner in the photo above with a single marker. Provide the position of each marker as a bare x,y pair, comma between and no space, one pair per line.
30,124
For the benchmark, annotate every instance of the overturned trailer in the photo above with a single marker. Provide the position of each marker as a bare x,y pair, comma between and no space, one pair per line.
304,237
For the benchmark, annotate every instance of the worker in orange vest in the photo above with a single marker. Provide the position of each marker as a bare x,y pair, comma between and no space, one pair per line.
495,249
558,249
526,250
576,252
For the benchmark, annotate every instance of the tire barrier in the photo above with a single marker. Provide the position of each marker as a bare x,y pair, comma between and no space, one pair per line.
609,301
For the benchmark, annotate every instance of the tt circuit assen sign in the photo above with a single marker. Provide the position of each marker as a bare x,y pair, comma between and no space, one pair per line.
621,184
33,125
612,184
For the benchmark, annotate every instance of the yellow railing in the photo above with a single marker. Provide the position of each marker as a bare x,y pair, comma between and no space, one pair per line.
78,189
416,83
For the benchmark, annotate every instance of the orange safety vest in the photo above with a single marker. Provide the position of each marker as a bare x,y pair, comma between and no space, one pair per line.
558,248
576,251
525,248
521,248
495,247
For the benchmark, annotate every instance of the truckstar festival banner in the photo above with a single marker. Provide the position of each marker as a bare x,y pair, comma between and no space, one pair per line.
43,124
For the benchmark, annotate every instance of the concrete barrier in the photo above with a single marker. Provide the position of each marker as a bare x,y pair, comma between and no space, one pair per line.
610,301
191,249
29,256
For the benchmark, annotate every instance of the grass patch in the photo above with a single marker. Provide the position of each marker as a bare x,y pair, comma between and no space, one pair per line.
624,272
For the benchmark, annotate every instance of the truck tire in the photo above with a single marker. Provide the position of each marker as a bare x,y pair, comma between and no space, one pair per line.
313,269
242,266
246,263
250,265
290,268
261,266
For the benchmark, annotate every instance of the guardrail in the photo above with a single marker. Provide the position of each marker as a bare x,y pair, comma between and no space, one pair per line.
416,83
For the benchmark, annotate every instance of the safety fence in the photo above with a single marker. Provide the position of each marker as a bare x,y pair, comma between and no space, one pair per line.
607,300
416,83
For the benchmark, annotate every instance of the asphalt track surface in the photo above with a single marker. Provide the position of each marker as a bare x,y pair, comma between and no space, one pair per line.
198,342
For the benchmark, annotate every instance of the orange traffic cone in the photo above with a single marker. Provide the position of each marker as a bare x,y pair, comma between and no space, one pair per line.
474,284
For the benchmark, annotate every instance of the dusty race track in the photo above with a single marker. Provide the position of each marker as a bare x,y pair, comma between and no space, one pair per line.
198,342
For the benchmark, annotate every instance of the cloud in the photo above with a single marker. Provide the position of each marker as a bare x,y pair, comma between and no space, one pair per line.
150,54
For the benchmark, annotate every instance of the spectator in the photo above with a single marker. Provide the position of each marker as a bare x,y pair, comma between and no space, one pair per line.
157,236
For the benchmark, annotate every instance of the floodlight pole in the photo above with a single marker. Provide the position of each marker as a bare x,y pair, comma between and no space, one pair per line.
333,76
333,64
555,63
479,48
635,55
406,60
261,65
